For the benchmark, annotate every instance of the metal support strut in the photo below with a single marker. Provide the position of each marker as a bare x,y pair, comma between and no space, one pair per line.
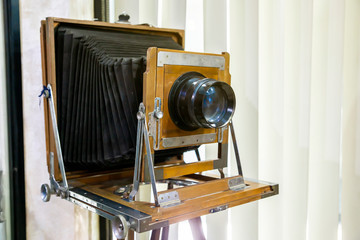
55,187
143,134
237,155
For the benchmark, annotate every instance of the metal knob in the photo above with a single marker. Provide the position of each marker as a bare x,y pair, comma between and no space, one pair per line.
159,114
120,227
45,192
123,18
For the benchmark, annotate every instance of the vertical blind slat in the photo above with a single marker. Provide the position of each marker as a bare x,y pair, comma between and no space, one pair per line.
350,193
148,12
271,102
325,117
214,38
297,68
243,49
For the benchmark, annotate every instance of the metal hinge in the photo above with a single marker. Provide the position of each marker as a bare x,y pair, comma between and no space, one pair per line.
236,184
154,123
169,199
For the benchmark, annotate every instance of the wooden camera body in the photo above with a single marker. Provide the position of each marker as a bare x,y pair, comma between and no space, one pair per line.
110,193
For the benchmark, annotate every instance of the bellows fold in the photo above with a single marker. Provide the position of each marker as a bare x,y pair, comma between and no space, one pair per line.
99,85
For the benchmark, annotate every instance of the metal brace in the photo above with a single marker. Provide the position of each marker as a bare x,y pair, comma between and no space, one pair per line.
236,184
154,122
221,134
143,134
240,184
169,199
55,187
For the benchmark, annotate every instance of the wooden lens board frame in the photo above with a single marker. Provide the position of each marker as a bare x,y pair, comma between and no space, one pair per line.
99,191
164,66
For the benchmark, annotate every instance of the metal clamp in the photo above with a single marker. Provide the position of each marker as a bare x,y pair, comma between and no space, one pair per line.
221,134
154,122
143,134
55,187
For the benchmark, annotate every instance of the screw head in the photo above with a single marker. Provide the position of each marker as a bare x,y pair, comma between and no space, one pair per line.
140,115
159,114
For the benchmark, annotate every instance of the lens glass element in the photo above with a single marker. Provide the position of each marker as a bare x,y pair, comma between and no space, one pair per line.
214,104
199,102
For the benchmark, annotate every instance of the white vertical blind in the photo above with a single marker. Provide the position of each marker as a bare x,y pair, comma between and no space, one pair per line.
295,70
215,41
242,32
215,26
297,73
172,13
325,119
194,26
271,99
350,193
148,12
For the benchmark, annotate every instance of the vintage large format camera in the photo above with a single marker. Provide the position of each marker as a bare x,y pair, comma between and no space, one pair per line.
124,103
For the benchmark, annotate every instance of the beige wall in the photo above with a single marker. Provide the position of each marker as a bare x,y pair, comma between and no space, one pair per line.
56,219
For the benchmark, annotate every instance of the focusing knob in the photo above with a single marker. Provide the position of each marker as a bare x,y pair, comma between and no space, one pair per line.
120,227
45,192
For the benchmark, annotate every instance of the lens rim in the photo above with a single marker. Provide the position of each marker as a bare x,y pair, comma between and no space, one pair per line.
230,104
183,84
186,99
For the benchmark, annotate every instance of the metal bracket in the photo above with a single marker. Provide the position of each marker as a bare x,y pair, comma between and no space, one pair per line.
221,134
55,187
236,184
154,122
188,140
237,156
218,209
169,199
143,134
188,59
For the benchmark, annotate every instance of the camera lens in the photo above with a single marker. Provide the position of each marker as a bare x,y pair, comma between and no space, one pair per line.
214,105
199,102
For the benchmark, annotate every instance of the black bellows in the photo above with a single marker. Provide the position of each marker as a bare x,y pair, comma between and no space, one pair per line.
99,81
